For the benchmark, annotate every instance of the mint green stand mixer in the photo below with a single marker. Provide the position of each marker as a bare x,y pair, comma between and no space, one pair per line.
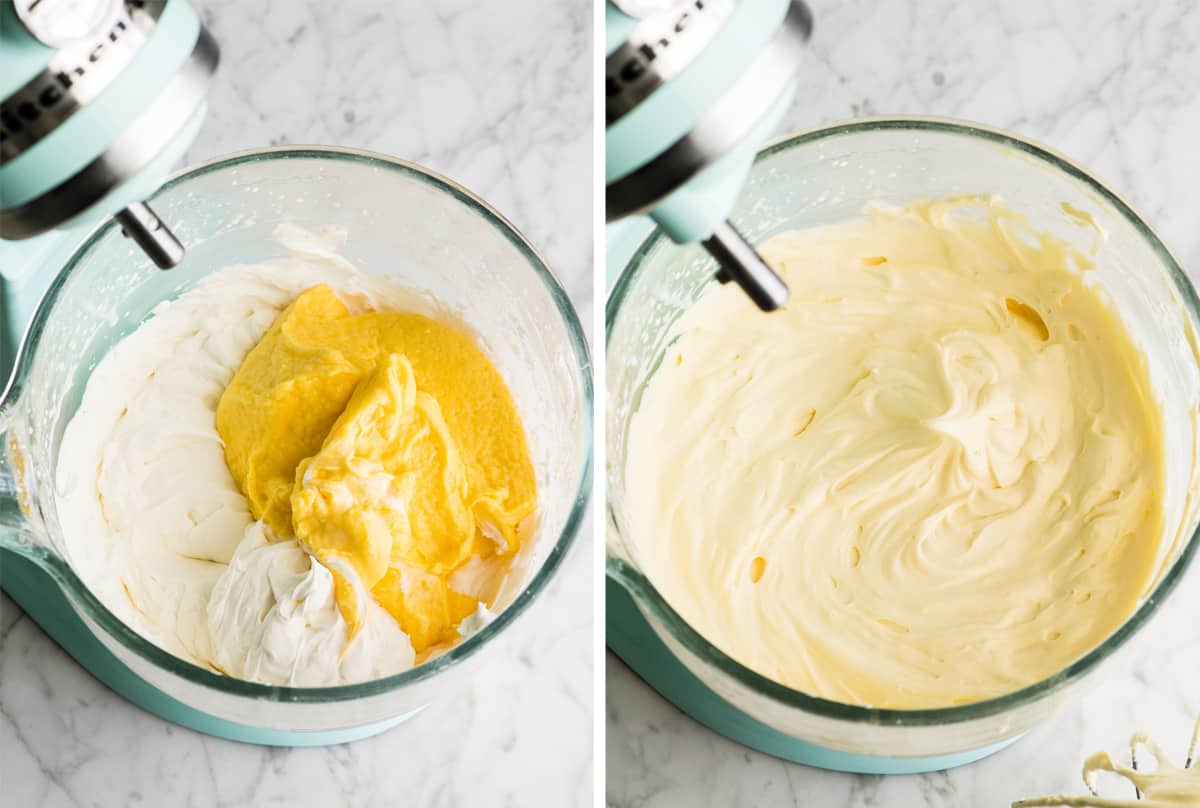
693,90
98,99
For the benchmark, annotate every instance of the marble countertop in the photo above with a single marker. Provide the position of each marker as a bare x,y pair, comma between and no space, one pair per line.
418,80
1115,86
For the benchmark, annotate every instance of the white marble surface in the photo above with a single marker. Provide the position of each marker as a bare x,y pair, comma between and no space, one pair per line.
496,96
1116,86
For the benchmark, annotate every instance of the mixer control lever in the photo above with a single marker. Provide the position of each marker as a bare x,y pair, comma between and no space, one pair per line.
142,225
739,262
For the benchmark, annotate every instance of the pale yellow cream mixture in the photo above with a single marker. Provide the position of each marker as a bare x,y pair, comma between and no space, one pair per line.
932,479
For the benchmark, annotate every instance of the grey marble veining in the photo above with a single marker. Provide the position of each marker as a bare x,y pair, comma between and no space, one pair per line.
496,96
1116,87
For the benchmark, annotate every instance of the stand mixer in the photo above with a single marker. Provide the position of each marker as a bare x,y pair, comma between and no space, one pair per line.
692,90
99,99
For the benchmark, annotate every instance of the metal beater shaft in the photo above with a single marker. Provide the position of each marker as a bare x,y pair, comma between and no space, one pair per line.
143,226
739,262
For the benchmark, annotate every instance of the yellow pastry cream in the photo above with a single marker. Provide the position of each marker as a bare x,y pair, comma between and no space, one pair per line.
390,447
933,478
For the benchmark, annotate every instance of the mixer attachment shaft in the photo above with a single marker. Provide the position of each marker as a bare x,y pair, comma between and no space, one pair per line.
142,225
739,262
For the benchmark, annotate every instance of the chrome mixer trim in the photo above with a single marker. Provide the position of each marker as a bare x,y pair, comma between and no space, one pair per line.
721,128
74,77
658,50
129,153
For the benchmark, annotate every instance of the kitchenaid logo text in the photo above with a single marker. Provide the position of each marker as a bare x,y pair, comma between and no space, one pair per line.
636,63
74,77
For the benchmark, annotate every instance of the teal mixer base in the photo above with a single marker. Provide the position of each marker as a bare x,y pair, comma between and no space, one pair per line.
44,602
632,639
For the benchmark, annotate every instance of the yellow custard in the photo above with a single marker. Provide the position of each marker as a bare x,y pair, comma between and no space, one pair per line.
932,479
390,447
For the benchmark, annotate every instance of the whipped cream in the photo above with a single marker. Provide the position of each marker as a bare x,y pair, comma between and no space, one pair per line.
273,618
153,520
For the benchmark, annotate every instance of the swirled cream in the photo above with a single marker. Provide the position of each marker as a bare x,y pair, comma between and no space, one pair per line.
932,479
159,528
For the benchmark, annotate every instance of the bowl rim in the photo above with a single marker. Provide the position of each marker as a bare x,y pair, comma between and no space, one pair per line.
663,615
97,612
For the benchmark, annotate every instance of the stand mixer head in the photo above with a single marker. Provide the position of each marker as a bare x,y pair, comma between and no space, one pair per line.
98,98
692,89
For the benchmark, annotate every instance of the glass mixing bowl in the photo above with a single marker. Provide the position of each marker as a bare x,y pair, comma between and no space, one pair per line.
404,222
829,175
